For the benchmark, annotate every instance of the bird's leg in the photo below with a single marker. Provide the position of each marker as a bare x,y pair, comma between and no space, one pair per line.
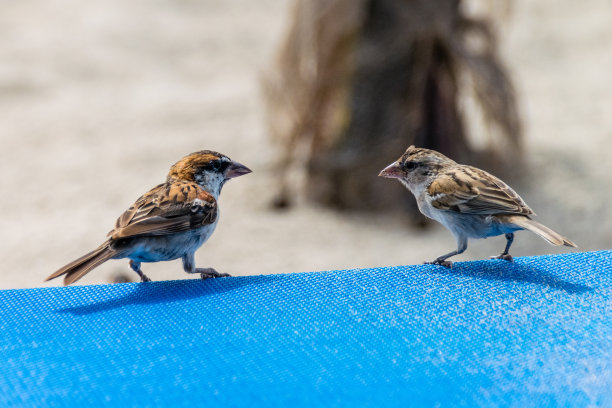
205,273
505,255
136,268
441,260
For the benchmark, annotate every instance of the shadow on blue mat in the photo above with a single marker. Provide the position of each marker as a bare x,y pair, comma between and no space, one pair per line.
172,291
165,292
513,271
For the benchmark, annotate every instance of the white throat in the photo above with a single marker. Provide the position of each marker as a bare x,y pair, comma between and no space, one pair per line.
415,188
211,183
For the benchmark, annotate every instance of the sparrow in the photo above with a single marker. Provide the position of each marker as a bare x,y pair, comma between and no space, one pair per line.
170,221
468,201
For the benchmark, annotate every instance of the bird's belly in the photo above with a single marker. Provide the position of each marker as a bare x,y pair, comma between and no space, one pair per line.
169,247
475,226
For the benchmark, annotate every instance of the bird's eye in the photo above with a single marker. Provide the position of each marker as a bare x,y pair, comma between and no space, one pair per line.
410,165
213,165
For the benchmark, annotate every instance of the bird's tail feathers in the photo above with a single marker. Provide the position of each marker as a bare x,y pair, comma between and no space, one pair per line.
543,231
76,269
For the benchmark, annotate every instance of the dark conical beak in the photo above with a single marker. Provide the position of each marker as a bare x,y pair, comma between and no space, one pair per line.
392,171
236,170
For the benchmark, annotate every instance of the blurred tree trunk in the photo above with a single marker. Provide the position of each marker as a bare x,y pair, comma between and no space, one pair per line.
357,81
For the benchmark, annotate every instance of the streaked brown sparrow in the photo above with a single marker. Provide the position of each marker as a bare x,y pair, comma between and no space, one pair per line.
468,201
170,221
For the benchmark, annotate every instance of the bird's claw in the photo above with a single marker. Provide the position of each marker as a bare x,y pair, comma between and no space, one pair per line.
441,262
144,278
505,257
206,273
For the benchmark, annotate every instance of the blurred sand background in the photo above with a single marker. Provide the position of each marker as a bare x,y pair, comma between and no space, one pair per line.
99,98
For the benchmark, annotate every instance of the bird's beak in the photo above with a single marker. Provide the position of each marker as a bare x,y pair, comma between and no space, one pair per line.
392,171
236,169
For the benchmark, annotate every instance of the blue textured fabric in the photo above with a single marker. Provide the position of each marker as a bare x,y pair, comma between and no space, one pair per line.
490,333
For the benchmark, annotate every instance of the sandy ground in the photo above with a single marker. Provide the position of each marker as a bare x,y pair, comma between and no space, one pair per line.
99,98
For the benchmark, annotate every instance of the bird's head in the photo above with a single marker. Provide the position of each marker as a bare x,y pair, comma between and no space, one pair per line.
210,170
416,167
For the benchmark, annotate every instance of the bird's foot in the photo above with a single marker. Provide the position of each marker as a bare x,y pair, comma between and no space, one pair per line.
441,262
206,273
505,257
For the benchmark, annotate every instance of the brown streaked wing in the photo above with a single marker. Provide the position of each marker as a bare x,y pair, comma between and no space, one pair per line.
167,209
469,190
448,192
141,207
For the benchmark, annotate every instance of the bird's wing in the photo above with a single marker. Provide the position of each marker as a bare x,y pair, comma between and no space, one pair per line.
469,190
166,209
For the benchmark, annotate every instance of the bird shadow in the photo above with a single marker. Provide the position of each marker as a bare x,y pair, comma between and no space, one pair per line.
151,293
517,271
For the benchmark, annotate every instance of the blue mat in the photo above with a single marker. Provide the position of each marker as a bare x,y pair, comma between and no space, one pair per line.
490,333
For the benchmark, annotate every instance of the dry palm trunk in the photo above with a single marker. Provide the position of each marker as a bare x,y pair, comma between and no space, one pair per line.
358,81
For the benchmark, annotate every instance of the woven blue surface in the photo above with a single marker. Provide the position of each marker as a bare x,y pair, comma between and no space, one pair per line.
534,333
